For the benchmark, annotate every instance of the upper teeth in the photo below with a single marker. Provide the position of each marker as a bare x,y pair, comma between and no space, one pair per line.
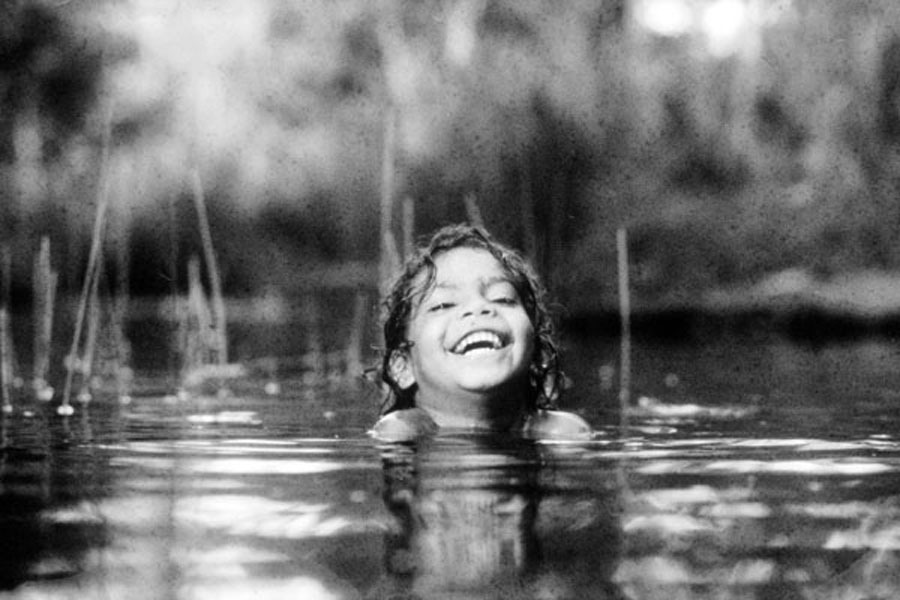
478,337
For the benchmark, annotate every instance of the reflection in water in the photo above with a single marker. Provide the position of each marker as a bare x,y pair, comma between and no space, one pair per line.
489,517
248,497
762,518
46,476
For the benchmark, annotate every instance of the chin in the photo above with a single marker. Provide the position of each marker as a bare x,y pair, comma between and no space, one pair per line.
489,386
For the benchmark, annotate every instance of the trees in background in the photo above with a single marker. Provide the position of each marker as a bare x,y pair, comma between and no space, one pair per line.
733,138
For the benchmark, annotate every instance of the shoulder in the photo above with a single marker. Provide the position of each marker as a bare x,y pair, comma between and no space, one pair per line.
557,424
403,425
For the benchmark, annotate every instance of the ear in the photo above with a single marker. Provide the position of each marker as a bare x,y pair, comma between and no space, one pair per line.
400,370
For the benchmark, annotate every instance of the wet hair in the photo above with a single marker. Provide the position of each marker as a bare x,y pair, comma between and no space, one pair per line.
409,289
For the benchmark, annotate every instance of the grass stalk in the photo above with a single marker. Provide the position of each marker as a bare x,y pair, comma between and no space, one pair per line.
625,320
44,284
212,266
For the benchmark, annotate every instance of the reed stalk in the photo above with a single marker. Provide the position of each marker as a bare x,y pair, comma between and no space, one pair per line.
472,210
44,284
88,285
175,300
409,226
627,493
86,361
390,260
197,346
354,355
6,362
84,303
526,208
625,320
123,373
316,359
92,270
212,267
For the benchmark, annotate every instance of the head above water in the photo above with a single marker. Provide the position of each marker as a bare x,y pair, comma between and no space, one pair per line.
419,279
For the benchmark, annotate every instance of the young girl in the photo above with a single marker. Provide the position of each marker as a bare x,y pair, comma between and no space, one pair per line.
469,344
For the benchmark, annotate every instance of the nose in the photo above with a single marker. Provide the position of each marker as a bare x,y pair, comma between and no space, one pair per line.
478,306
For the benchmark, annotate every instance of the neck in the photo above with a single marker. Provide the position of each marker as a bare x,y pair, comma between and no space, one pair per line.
476,411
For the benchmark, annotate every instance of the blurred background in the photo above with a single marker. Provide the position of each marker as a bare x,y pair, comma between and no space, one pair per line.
749,147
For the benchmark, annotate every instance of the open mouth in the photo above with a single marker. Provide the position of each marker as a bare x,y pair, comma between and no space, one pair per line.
479,342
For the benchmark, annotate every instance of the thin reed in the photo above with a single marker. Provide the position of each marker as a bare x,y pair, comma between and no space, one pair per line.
472,210
120,302
390,256
6,360
354,354
198,349
625,356
86,360
92,271
212,266
529,230
44,284
625,321
73,358
409,226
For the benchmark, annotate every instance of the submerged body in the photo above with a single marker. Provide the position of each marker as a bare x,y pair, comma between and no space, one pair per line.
483,517
415,423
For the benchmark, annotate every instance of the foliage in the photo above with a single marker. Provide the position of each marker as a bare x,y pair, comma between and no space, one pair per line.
773,148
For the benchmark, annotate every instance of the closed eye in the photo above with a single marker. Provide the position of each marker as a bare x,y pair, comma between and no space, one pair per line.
502,292
440,306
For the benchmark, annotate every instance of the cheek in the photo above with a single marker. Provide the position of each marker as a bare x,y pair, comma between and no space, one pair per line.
426,333
526,334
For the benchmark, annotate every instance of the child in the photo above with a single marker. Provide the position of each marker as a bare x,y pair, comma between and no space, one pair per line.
469,344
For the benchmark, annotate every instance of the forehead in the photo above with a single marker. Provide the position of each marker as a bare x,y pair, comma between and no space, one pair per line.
457,267
461,265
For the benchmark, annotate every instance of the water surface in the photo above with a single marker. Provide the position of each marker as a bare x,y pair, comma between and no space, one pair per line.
748,467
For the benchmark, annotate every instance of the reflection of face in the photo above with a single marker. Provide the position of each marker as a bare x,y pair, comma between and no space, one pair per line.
472,340
468,529
493,516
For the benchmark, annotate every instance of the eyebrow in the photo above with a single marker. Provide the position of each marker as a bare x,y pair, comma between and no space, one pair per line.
493,280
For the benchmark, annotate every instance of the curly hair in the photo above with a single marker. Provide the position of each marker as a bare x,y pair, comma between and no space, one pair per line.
409,288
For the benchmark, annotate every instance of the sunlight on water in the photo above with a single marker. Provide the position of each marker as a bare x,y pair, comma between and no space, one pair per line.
714,495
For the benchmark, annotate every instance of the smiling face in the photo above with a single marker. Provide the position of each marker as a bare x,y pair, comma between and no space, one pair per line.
471,343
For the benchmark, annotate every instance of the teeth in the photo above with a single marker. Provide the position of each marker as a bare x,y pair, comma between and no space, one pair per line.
476,338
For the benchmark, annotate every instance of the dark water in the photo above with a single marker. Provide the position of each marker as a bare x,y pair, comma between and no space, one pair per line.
750,467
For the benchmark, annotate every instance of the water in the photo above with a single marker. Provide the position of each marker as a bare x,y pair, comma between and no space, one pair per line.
751,467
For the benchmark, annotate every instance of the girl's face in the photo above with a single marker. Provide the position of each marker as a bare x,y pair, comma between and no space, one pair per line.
472,340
